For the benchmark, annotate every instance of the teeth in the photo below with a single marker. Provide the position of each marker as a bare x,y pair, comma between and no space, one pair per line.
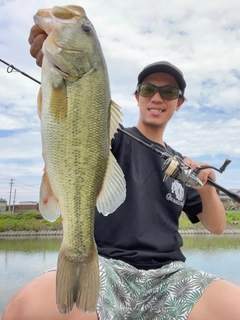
156,110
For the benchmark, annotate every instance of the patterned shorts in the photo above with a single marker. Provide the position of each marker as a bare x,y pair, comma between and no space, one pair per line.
168,293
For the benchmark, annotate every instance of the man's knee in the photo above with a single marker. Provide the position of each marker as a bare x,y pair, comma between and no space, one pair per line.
34,297
219,301
14,309
37,301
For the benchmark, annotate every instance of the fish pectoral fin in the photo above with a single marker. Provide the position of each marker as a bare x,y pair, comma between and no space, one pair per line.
39,103
59,103
48,203
113,191
115,119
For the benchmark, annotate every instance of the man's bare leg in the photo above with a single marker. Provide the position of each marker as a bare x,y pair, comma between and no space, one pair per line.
220,301
37,300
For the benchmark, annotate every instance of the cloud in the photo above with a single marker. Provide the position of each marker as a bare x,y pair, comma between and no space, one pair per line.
202,39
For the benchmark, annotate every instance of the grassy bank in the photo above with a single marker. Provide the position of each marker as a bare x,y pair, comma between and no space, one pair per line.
232,218
28,221
33,221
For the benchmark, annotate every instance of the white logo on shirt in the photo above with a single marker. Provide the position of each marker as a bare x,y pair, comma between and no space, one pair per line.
177,193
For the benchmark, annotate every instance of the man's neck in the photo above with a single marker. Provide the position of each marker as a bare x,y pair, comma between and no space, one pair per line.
153,133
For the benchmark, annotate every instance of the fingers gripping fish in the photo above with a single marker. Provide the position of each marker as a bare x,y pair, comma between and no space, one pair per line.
78,121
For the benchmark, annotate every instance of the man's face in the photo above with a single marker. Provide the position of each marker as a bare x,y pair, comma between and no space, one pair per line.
156,111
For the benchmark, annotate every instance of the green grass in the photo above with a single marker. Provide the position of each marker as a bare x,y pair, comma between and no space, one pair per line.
28,221
185,223
33,221
232,218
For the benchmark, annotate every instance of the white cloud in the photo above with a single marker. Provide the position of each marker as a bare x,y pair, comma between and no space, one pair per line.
201,38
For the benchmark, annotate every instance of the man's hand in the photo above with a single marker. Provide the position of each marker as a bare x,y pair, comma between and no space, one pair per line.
36,39
203,174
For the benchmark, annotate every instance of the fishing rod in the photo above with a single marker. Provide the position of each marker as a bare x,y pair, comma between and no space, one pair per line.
173,166
11,67
177,169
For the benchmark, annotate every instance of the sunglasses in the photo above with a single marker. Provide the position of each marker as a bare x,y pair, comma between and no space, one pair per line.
166,92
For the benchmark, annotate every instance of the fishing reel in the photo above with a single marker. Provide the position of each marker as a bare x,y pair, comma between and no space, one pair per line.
176,168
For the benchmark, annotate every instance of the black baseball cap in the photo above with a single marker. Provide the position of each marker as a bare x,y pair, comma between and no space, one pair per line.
166,67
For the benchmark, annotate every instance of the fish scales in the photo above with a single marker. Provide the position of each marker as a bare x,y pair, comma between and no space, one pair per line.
78,121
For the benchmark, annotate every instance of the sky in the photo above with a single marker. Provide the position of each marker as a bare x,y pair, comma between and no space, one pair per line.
202,38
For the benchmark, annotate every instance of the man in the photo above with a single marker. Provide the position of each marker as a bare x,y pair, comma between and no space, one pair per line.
143,273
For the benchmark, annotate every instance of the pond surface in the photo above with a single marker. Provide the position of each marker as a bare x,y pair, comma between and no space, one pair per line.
23,259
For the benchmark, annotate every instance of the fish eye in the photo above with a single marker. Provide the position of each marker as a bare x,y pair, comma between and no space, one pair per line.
86,28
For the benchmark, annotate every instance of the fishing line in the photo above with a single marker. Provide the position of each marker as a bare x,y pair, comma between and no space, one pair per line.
11,67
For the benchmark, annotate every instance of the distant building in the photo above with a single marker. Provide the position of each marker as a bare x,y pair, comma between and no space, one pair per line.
229,203
25,206
3,205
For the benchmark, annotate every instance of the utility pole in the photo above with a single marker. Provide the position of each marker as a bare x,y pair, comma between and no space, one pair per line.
14,201
10,195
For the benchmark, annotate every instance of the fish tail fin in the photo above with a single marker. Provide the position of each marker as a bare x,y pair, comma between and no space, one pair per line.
87,295
77,282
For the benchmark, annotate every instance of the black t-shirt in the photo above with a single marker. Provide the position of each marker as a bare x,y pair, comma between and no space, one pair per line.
143,231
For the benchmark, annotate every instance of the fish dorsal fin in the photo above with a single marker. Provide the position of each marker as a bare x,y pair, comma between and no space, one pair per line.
113,192
48,204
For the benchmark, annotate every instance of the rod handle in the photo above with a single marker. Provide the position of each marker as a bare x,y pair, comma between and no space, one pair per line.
231,194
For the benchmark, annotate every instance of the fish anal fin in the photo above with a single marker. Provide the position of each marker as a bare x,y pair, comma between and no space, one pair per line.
48,203
115,119
77,282
113,191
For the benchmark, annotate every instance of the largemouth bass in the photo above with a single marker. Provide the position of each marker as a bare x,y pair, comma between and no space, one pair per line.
78,121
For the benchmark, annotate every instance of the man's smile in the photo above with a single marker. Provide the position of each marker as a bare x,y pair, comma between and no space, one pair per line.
152,110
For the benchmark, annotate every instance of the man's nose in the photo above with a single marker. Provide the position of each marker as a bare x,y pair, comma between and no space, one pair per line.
157,97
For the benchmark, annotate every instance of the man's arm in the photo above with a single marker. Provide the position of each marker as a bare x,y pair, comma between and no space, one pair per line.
213,215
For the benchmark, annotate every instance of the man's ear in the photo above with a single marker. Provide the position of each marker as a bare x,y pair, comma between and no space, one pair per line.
180,102
137,97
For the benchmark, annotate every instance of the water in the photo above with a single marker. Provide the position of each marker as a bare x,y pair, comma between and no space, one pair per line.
219,255
23,259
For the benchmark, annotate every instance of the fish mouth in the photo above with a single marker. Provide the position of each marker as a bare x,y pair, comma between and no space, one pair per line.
58,68
59,65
